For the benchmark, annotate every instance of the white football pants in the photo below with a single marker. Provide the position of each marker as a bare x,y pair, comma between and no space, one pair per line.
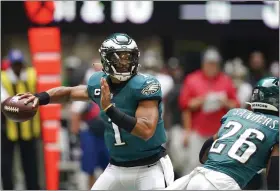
150,177
204,179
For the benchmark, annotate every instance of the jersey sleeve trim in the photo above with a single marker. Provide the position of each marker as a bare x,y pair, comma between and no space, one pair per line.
159,98
89,94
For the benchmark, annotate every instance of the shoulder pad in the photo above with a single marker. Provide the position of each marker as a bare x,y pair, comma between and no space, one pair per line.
93,85
146,87
95,78
224,118
140,79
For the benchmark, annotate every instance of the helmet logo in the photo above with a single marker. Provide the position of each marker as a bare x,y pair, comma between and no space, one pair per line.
151,89
276,82
122,38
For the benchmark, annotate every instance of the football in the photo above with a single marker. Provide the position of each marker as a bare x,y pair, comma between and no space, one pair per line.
16,110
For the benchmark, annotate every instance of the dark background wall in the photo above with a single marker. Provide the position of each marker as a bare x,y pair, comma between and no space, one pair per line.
182,38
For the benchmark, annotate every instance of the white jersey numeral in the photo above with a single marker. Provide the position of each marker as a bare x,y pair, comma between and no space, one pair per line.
235,128
251,147
242,142
117,134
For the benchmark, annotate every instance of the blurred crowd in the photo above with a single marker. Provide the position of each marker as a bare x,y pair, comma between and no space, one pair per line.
194,102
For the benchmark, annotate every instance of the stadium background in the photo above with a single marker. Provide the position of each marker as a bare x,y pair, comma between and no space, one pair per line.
168,29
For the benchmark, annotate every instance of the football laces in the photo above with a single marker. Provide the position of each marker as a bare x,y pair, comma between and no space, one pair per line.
11,109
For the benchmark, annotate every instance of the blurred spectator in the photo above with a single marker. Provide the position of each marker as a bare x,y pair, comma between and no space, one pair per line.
172,120
206,95
152,66
74,71
5,64
94,151
257,67
96,66
19,79
238,73
274,69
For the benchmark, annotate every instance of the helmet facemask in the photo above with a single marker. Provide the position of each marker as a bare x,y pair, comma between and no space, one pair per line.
119,56
120,64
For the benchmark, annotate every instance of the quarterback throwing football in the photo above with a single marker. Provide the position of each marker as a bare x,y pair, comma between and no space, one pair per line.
131,108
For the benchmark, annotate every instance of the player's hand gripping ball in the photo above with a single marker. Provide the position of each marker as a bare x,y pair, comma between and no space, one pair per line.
16,109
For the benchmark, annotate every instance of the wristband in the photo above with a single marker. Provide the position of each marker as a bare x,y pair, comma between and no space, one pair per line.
122,120
107,107
44,98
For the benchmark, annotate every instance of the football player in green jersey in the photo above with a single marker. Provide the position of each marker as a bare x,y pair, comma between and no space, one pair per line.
246,143
132,110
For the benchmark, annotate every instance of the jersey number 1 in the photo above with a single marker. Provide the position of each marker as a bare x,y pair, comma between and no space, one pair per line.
117,134
235,151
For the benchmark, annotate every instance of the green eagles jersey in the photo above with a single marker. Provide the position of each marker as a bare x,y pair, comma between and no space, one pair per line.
122,145
244,143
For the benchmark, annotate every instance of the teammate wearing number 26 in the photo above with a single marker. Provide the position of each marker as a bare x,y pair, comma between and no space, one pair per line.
246,143
132,110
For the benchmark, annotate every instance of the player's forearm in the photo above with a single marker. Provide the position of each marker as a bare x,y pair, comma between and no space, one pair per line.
64,94
143,129
203,154
60,94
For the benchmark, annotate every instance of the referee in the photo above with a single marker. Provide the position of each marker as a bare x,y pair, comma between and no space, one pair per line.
19,79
